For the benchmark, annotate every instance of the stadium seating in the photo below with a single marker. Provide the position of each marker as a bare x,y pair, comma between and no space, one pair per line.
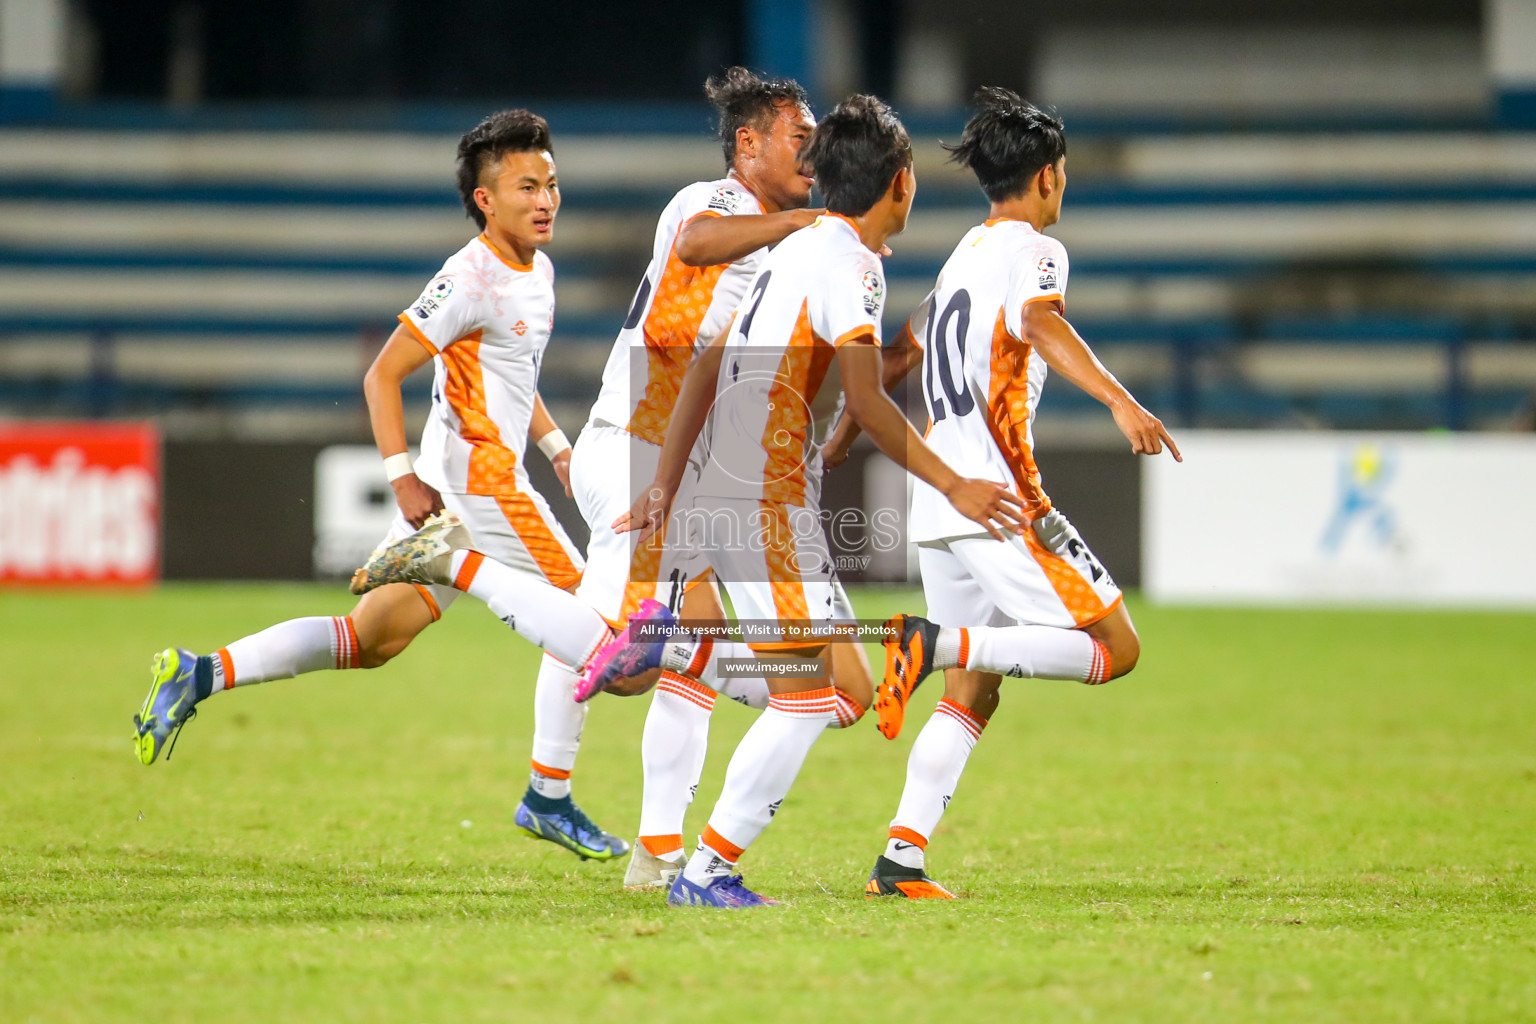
239,281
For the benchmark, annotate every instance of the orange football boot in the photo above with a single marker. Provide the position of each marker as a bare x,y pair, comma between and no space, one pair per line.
909,642
892,879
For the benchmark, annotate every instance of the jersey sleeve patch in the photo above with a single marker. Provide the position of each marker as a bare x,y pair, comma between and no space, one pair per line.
432,299
873,298
727,201
849,303
448,309
1046,268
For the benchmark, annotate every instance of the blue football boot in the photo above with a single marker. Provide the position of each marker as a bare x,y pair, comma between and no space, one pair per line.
724,892
170,704
564,824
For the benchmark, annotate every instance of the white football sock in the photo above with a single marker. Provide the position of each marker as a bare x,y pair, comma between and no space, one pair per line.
760,774
286,650
749,690
933,770
557,724
672,749
542,614
1031,652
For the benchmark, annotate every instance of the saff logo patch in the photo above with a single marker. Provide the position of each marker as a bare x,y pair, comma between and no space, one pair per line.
726,200
874,293
432,299
1047,268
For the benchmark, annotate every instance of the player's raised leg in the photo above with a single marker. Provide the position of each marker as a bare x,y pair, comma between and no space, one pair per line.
381,626
1070,620
442,553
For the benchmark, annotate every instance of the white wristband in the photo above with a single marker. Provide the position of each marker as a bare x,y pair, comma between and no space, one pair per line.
553,443
397,466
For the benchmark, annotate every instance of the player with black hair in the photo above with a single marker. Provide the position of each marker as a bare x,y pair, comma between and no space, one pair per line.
1037,605
709,242
484,322
805,339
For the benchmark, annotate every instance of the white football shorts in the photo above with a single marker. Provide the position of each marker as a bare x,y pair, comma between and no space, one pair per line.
1047,577
609,467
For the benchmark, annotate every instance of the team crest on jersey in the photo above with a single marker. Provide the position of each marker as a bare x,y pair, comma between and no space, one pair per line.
726,200
432,299
874,293
1047,268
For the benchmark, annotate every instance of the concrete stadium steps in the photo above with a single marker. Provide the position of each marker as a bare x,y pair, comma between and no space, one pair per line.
425,160
261,270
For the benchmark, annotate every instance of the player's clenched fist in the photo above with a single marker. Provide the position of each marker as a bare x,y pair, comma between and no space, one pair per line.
417,500
989,504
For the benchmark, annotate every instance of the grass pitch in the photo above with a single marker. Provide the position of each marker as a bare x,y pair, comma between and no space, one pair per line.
1281,816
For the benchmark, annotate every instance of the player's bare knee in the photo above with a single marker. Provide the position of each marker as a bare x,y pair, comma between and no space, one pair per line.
1123,655
375,654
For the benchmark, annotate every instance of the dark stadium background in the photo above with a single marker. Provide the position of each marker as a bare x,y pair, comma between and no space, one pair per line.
234,297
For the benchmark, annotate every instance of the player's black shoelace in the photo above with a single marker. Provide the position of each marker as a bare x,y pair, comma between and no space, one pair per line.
577,817
177,734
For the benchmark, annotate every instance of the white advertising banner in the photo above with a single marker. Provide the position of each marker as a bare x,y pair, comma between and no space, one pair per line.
354,507
1332,518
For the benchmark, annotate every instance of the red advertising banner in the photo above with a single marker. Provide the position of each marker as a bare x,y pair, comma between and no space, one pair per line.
79,503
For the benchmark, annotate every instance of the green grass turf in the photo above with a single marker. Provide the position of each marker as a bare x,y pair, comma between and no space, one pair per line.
1281,816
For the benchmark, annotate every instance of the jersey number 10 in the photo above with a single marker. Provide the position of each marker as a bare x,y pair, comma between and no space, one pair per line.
961,401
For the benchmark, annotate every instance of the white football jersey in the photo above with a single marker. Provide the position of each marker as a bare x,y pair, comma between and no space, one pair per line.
677,310
780,389
486,320
981,380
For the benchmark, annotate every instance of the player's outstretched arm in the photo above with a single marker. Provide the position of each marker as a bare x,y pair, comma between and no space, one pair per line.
983,501
1064,351
708,241
401,356
551,440
694,399
896,361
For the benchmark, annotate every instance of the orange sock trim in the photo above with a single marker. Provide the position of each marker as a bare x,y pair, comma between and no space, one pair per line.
682,686
701,657
963,713
426,595
721,845
550,773
660,846
965,647
806,702
1098,669
354,655
228,665
849,710
906,835
466,574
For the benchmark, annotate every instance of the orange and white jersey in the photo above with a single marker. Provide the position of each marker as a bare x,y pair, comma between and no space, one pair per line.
677,310
780,389
486,320
981,379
